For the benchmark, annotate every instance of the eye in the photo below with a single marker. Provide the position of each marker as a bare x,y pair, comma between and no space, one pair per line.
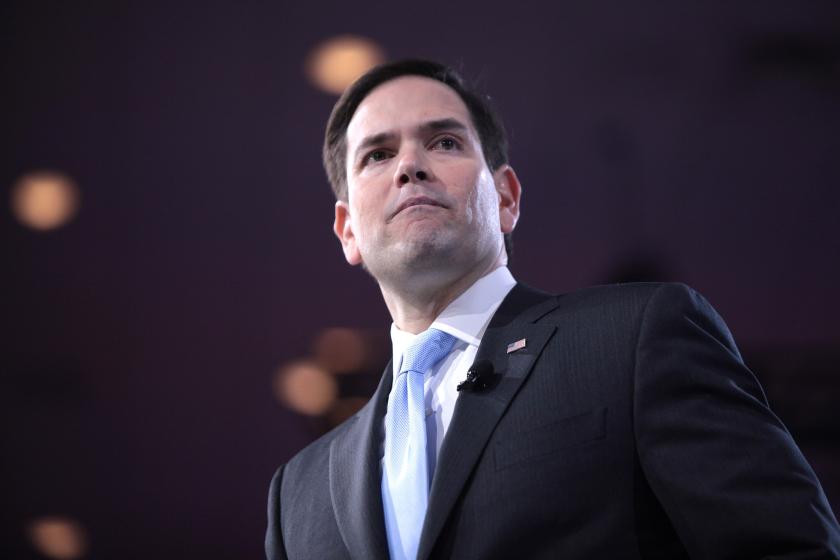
446,144
375,156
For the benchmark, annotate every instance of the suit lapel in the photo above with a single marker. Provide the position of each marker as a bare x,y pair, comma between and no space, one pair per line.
477,413
355,479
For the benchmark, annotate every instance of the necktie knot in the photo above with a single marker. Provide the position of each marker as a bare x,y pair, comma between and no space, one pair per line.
430,347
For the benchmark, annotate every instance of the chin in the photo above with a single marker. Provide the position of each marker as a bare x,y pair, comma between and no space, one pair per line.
436,247
415,256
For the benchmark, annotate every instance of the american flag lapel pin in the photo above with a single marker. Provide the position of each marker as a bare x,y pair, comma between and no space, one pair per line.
514,346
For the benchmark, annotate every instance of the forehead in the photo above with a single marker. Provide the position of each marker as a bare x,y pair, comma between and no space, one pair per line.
403,103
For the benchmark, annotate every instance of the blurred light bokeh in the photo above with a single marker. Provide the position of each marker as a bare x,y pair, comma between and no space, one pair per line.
306,388
338,62
44,200
58,538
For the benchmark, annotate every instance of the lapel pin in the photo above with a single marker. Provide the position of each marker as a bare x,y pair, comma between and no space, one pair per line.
514,346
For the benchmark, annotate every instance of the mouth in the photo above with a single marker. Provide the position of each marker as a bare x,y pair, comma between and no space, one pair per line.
417,201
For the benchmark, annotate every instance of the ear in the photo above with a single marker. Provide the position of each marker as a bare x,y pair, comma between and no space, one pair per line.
510,191
343,229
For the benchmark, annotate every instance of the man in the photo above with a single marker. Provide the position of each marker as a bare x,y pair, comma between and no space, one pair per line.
613,422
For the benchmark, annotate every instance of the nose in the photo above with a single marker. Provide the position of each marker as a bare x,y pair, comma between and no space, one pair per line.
405,177
412,168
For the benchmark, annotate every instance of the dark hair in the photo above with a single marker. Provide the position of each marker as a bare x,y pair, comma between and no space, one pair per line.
486,121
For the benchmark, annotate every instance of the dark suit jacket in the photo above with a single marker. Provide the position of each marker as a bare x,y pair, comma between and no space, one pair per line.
628,427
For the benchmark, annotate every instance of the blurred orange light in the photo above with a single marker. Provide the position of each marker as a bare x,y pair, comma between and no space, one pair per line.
335,64
58,537
305,387
341,350
44,200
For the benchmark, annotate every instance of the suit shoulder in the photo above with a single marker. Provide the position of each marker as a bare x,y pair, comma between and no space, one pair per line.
630,301
652,307
632,297
317,453
633,294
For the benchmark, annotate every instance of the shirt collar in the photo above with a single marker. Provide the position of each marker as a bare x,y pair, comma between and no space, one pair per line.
467,317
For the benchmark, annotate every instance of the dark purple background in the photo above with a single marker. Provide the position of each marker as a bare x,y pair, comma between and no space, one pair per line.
679,142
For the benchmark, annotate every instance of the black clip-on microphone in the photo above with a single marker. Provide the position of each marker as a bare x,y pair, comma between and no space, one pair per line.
479,377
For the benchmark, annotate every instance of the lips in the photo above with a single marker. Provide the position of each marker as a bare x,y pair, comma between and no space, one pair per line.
417,201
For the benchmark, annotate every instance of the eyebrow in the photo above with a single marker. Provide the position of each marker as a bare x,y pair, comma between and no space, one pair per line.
437,125
443,124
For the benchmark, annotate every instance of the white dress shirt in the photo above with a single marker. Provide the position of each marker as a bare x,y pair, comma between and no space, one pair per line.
466,318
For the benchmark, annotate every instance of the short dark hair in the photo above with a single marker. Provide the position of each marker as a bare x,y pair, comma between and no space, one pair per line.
488,125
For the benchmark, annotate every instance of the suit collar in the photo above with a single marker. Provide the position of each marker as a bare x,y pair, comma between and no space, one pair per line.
523,304
466,317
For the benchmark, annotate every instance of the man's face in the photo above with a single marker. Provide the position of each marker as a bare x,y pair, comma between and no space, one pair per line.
420,195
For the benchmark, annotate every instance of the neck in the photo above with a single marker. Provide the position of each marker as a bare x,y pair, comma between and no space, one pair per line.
414,306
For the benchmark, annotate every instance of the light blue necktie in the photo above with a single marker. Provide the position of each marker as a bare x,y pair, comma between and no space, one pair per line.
405,476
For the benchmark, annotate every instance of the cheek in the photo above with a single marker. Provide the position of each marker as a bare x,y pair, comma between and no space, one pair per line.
483,200
366,210
466,182
375,172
